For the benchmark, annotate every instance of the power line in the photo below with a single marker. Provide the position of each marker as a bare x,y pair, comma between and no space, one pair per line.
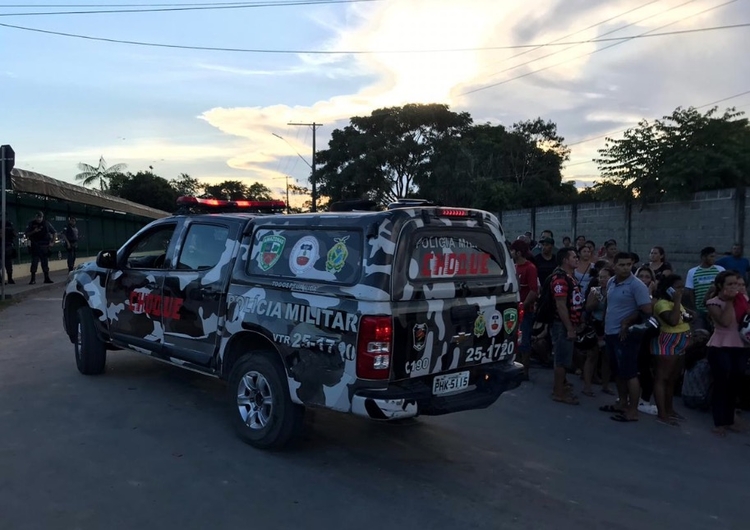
585,140
194,7
600,36
44,6
369,52
622,41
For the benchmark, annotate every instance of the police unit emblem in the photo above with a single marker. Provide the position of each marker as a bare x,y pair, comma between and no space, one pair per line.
495,324
337,255
510,320
480,325
303,255
271,247
419,336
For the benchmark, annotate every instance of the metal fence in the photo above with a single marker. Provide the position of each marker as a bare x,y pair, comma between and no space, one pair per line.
98,228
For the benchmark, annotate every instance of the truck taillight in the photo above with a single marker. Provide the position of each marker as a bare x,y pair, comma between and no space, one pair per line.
520,323
374,348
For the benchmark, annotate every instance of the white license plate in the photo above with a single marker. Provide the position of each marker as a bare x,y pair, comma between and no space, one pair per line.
444,384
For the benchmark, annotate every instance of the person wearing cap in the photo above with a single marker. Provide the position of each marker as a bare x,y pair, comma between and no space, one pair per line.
537,248
546,261
528,288
41,235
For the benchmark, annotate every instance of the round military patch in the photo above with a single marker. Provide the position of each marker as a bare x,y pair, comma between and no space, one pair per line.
304,254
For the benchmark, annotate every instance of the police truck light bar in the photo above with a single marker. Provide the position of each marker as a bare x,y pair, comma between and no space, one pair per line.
190,203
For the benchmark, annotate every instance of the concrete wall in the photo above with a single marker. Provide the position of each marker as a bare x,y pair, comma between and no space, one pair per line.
715,218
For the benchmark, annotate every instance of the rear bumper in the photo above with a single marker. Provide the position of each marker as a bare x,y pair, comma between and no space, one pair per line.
405,399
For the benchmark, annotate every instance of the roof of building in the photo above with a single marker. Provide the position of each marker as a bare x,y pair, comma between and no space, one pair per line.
29,182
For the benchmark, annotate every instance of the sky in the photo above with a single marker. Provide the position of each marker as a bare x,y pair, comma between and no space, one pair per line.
215,114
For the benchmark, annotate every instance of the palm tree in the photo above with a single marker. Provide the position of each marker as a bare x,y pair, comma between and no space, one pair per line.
90,174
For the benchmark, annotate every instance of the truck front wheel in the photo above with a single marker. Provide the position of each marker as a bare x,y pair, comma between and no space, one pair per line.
91,352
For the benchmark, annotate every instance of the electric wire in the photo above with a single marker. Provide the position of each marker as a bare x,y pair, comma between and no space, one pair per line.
623,41
205,7
371,52
599,37
585,140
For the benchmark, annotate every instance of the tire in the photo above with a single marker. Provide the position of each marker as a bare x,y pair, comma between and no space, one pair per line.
90,350
262,410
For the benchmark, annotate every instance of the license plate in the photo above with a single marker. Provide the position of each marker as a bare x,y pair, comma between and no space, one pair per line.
444,384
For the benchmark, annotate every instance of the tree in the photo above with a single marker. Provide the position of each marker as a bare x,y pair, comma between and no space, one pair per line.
382,155
306,205
259,192
184,184
227,190
148,189
679,155
493,168
234,189
100,174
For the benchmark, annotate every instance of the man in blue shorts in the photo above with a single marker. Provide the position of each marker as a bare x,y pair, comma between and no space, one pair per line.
627,299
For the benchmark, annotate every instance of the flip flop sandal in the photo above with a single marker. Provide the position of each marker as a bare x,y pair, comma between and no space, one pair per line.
678,417
670,422
610,409
588,393
621,418
568,400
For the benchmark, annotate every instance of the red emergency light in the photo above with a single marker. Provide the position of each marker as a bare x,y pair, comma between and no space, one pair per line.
452,212
192,204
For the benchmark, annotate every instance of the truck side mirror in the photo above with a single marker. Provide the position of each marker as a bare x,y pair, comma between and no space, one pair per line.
107,259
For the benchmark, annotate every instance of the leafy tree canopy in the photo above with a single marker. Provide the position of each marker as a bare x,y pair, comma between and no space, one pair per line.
677,156
235,189
493,167
184,184
145,188
382,155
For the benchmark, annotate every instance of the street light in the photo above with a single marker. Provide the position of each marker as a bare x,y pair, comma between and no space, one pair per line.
293,149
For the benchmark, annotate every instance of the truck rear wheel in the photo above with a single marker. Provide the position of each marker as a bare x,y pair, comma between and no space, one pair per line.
91,352
263,413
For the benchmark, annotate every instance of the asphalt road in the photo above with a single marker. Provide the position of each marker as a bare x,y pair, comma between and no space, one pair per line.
148,445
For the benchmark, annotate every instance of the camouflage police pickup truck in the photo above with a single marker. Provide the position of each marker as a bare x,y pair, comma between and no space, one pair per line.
385,314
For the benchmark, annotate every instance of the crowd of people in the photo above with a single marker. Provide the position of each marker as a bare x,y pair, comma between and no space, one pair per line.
601,313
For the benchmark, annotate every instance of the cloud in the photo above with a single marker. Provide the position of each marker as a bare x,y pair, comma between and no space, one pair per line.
587,93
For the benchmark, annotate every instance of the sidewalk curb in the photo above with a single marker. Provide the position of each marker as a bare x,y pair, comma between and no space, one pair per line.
25,291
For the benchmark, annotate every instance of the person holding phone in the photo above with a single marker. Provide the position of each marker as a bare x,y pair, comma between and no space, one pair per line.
41,234
670,345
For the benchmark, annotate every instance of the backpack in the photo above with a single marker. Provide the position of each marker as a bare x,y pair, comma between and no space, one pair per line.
546,308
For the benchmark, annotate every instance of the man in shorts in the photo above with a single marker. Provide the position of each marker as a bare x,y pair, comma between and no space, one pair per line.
627,299
568,317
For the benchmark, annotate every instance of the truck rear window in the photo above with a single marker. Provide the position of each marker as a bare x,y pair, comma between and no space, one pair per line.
460,255
333,256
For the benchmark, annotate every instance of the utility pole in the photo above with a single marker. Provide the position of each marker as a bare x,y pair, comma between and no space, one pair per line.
7,161
286,179
313,183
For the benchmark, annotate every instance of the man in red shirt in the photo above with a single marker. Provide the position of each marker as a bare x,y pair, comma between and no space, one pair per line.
528,288
568,316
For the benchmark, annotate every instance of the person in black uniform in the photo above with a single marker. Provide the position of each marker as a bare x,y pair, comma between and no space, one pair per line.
41,235
9,241
70,234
